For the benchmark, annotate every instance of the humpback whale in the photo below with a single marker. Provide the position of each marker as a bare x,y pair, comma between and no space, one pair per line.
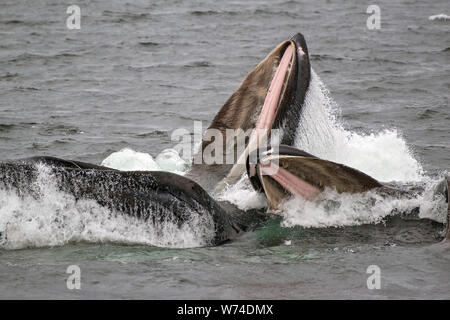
271,96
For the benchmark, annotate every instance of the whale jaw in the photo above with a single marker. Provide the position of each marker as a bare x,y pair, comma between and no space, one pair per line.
289,171
270,97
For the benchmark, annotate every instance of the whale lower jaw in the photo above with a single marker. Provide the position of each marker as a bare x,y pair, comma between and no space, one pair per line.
285,171
294,172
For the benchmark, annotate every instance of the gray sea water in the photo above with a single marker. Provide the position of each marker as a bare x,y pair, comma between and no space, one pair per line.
137,70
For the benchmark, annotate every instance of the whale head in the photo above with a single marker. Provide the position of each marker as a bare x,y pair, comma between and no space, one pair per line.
270,97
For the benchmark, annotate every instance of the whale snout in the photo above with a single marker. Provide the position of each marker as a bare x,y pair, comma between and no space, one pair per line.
300,41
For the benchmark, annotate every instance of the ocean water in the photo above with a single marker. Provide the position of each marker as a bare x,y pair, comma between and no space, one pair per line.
113,92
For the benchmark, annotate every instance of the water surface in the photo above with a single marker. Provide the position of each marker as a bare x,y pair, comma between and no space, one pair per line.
136,71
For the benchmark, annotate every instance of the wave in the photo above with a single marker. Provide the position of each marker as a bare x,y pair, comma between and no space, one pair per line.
441,16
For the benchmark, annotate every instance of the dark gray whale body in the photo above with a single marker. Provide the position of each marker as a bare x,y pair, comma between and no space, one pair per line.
147,195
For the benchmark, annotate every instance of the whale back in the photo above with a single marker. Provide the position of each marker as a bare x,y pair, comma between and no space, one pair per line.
154,197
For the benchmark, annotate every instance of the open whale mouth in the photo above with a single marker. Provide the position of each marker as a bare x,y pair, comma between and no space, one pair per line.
282,82
290,171
270,97
280,96
271,93
288,84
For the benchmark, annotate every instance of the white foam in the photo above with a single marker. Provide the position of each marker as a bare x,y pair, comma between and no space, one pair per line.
332,209
130,160
243,195
170,160
440,16
56,218
383,155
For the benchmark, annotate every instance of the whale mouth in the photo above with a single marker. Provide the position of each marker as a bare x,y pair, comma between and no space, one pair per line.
278,97
283,98
269,98
277,91
288,172
275,88
287,84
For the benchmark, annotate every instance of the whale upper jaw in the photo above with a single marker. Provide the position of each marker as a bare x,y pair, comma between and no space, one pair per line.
270,97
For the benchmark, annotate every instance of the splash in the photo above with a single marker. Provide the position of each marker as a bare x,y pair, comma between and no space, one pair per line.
130,160
441,17
56,218
333,209
243,195
384,155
